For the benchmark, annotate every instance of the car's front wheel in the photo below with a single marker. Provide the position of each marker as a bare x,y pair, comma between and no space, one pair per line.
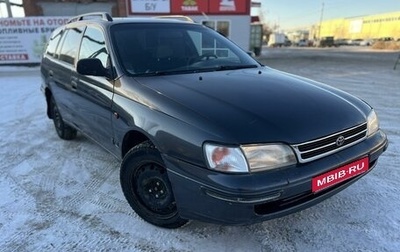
64,131
146,186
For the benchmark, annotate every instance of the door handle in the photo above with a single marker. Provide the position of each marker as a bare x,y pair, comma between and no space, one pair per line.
74,83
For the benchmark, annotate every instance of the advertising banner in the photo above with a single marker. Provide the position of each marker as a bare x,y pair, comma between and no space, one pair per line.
150,6
187,7
22,40
229,7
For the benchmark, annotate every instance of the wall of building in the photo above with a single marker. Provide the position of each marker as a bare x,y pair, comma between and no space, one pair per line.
234,14
239,27
381,26
237,15
73,7
364,27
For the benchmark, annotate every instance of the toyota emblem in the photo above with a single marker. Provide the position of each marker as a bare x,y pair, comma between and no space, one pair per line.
340,141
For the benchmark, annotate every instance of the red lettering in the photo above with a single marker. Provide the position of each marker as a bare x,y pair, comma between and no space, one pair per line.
13,57
57,21
38,22
15,22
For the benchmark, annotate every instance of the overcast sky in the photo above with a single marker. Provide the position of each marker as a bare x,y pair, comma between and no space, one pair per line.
295,14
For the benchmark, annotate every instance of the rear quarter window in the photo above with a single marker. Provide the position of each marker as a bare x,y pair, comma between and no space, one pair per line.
53,42
70,46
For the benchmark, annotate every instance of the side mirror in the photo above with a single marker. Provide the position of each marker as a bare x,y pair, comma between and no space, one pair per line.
92,66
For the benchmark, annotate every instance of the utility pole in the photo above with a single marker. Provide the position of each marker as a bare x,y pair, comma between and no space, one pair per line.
8,5
320,20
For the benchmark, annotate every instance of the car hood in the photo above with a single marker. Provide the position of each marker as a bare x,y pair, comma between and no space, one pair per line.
257,105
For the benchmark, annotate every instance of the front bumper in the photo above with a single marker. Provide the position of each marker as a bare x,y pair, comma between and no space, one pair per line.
237,199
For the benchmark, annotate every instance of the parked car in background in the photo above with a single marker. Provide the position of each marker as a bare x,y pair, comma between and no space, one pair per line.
325,42
203,131
385,39
367,42
340,42
354,42
303,43
276,39
288,42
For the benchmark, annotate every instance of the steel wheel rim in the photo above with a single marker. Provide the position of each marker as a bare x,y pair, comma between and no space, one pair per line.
152,190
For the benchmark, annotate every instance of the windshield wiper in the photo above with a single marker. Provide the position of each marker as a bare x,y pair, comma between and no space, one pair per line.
197,70
233,67
145,74
159,73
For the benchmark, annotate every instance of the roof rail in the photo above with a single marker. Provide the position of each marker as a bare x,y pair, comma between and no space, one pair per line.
93,15
176,17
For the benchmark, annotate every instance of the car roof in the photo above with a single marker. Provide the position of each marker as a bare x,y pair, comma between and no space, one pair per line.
104,19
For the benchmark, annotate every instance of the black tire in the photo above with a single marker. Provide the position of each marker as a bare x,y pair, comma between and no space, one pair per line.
146,187
63,130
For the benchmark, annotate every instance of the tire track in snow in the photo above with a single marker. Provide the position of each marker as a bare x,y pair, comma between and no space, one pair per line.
16,241
45,188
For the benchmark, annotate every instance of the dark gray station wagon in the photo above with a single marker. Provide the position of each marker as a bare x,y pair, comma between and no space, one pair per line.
203,130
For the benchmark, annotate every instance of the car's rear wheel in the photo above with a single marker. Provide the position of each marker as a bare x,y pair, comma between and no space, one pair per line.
63,130
146,186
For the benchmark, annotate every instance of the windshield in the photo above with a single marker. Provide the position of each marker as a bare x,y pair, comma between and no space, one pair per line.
146,49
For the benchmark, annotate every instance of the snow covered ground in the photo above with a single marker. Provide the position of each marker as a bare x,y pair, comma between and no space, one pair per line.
60,195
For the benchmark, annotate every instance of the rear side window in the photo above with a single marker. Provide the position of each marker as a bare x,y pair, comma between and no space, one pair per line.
53,42
71,44
94,46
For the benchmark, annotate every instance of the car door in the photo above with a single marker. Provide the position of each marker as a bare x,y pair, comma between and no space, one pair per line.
63,82
95,93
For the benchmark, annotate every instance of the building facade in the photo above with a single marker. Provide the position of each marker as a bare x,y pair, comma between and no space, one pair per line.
229,17
379,26
73,7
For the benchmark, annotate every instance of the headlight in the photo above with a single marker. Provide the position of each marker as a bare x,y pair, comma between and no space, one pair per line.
267,157
248,158
225,159
372,123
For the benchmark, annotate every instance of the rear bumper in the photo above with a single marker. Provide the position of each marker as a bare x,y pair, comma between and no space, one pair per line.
237,199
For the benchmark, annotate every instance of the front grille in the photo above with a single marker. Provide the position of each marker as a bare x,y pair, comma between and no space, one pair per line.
322,147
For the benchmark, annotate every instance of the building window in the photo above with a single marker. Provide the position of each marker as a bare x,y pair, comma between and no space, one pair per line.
210,24
222,27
